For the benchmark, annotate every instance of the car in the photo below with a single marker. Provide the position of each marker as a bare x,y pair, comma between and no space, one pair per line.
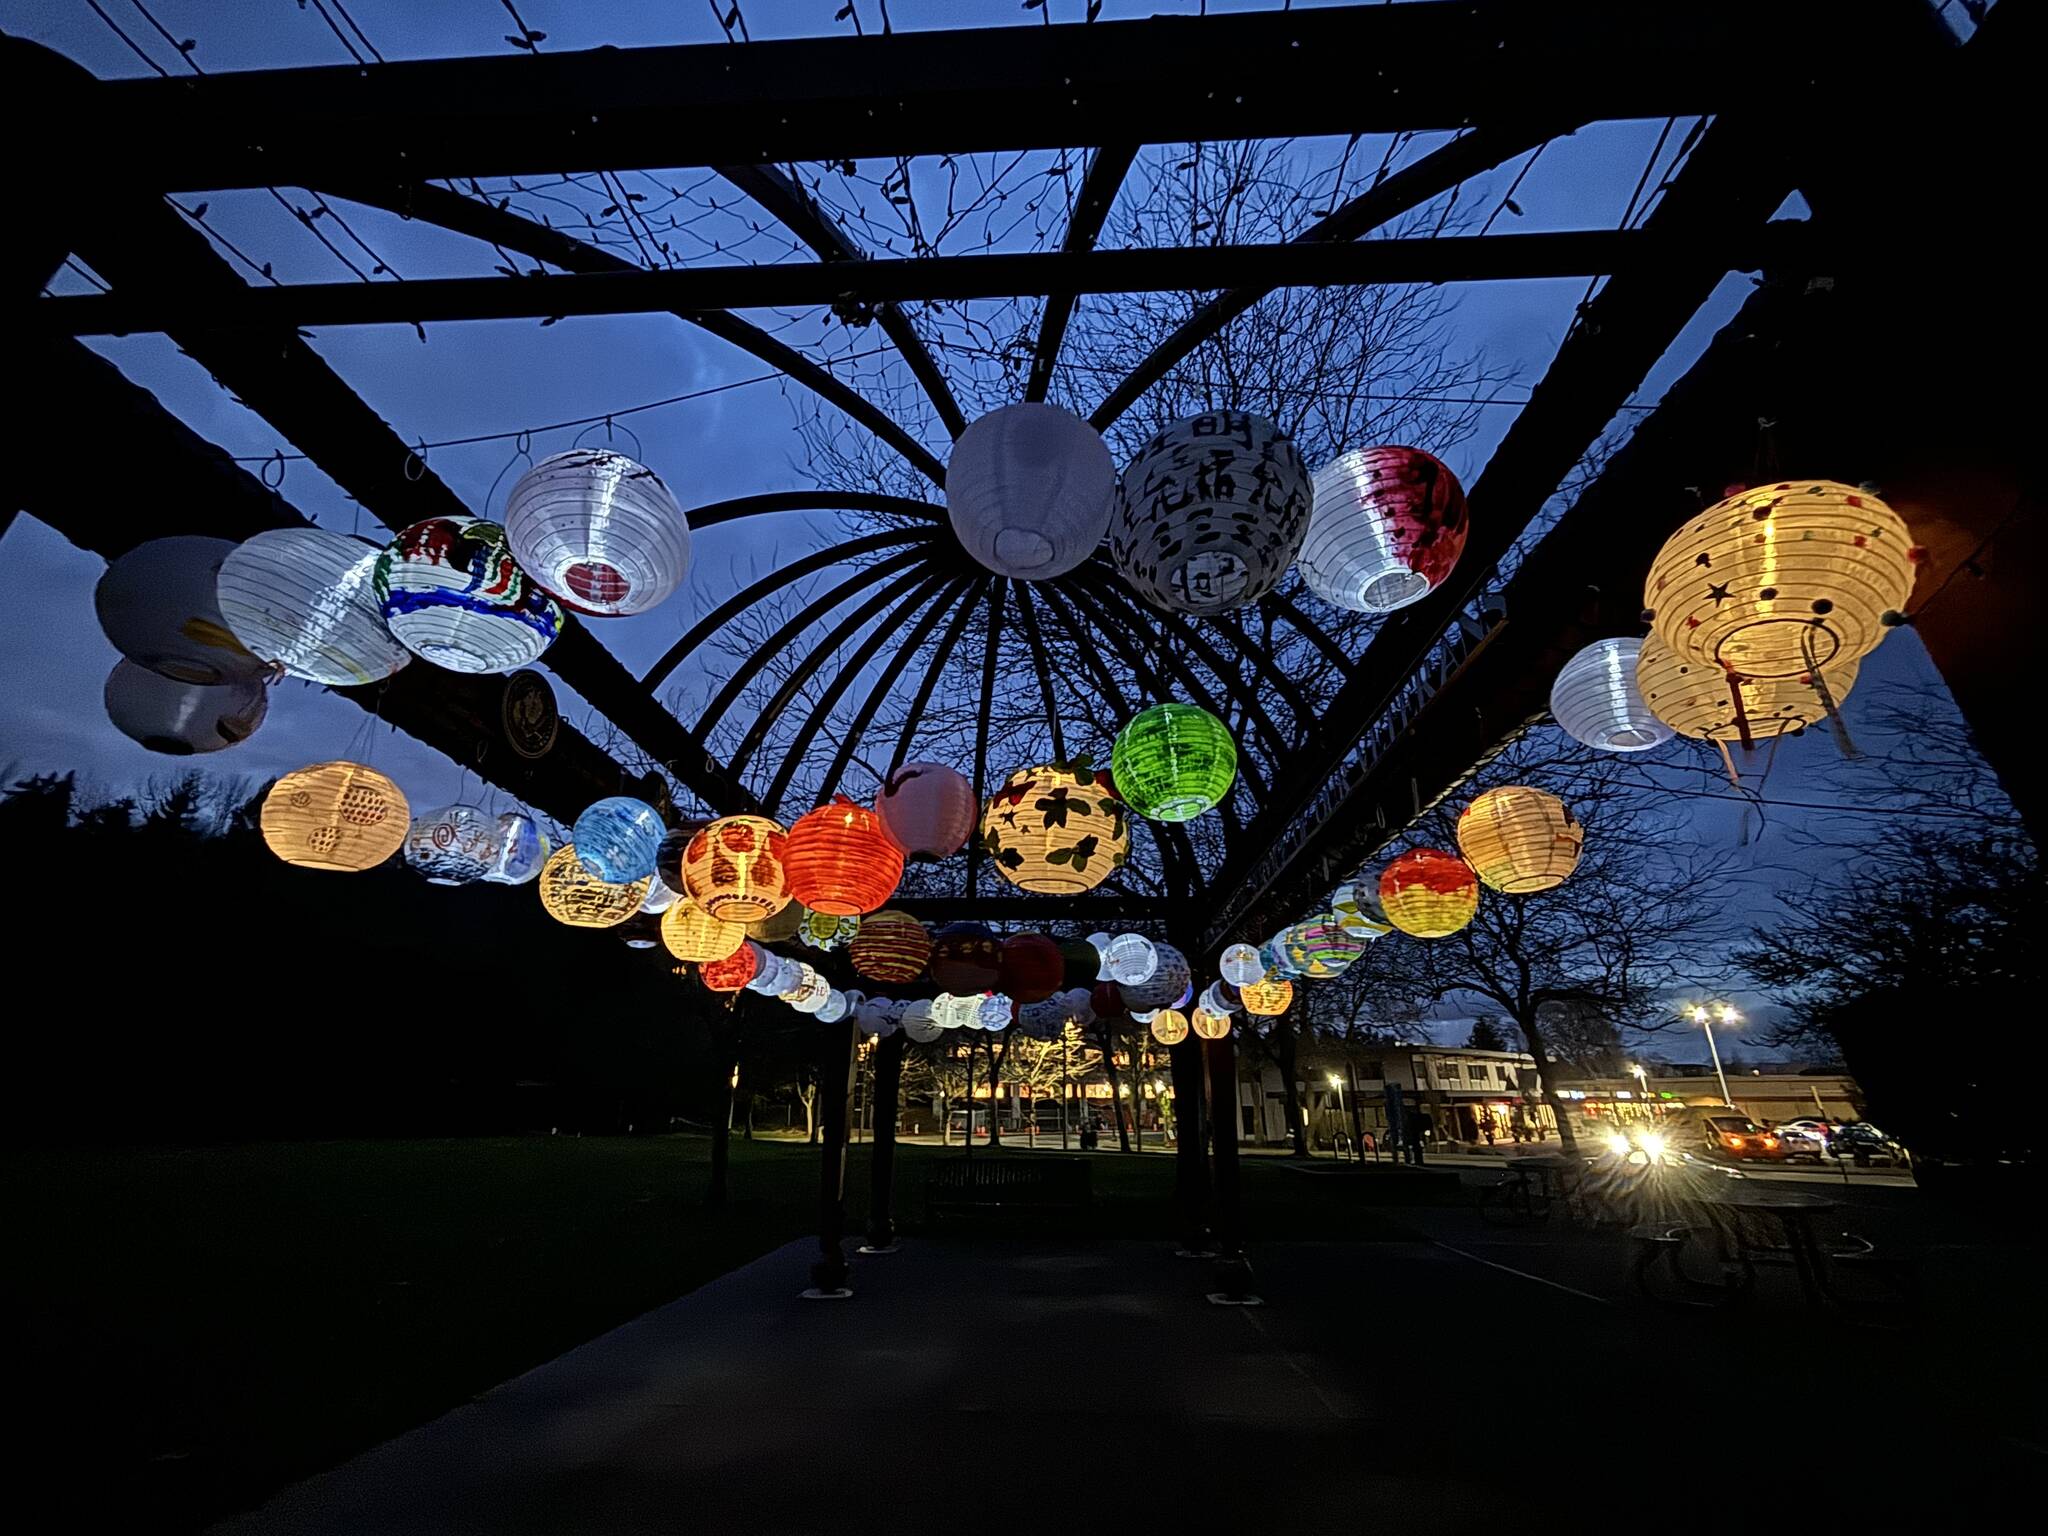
1802,1142
1862,1142
1720,1132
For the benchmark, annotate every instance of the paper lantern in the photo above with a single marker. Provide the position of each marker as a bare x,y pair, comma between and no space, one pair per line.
1218,998
453,845
1106,1001
1778,581
343,816
572,894
957,1010
841,861
834,1008
812,995
1163,988
452,594
599,531
1081,964
768,980
823,930
1169,1027
1078,1003
521,847
1028,489
668,858
779,925
1388,525
617,838
964,958
1053,830
1358,908
732,972
996,1011
891,946
1210,513
1698,699
179,719
1173,761
1273,954
1029,966
1130,958
1429,893
1519,839
1268,999
306,599
1209,1026
1595,699
927,809
736,868
798,980
659,899
158,606
1321,946
918,1023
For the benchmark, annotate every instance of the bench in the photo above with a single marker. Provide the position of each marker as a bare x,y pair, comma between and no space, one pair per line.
981,1185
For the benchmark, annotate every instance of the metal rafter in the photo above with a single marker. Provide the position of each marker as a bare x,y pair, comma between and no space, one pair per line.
884,685
915,714
991,647
1036,642
814,500
1106,172
1309,630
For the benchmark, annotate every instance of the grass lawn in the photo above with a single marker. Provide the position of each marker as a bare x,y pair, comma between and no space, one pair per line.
197,1327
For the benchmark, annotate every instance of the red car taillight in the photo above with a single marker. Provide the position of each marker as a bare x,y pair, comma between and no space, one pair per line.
1733,1141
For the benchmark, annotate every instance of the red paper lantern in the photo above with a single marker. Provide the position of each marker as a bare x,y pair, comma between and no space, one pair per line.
1107,1000
964,959
840,860
733,972
891,946
1031,967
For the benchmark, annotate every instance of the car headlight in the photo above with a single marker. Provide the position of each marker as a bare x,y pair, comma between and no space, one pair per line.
1653,1144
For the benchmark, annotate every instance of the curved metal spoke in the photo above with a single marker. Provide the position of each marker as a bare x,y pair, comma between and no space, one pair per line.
990,647
850,738
1037,644
713,513
1106,174
1310,631
947,642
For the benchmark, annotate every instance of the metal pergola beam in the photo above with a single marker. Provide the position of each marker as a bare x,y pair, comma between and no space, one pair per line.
1357,69
147,305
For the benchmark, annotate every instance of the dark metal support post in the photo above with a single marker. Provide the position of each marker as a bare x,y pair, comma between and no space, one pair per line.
1357,1113
829,1276
886,1090
1190,1168
1233,1272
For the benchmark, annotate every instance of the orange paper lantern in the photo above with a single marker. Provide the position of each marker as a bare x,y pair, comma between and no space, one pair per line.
1268,999
1429,893
891,946
841,862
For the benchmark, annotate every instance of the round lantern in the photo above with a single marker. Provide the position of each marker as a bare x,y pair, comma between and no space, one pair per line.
777,926
572,894
1780,580
1028,490
1698,699
734,971
1030,967
1052,830
521,848
1595,699
1429,893
918,1024
1078,1004
1241,965
1210,513
996,1011
1274,956
1163,988
798,980
1129,958
834,1008
891,946
1106,1001
1268,999
1082,963
668,858
1519,839
617,838
812,997
306,599
964,958
1169,1027
1209,1026
1388,525
957,1010
452,594
822,930
659,899
335,816
736,868
453,845
599,531
1321,946
1358,908
841,861
179,719
158,606
1173,762
927,809
768,980
691,933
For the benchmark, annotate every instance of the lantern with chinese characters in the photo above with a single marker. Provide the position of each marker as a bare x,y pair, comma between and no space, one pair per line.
452,594
927,809
1169,1027
521,848
453,845
1163,988
572,894
1241,965
1700,700
1209,513
736,869
811,995
1429,893
822,930
1321,946
1173,761
342,816
1357,907
1054,830
599,531
1268,999
691,933
1783,580
1519,839
617,838
965,958
891,946
158,605
1030,967
1388,525
305,599
1209,1026
734,971
179,719
1028,490
1595,699
841,861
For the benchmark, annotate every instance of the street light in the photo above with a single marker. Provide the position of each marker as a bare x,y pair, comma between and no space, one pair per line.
1727,1017
1337,1083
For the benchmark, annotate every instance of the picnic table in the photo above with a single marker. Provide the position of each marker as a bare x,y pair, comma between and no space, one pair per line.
1775,1226
1528,1186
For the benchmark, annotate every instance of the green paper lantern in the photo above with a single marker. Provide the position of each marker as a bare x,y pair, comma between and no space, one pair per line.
1173,762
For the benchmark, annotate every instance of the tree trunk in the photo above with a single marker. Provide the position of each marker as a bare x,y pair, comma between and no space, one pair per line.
1546,1070
1116,1108
1284,1048
808,1093
887,1083
995,1081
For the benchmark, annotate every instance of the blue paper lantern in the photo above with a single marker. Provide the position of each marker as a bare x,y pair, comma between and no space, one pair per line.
617,839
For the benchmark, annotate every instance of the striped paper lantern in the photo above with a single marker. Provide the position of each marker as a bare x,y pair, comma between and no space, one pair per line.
599,531
1357,907
341,816
1241,965
841,861
521,848
452,594
1030,967
1595,699
1321,946
734,971
453,844
1164,987
824,930
1169,1027
927,809
1698,699
1429,893
1519,839
965,958
1388,525
1209,1026
306,600
1054,830
617,838
571,894
891,946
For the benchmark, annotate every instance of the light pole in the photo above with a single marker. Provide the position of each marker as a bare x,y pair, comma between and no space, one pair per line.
1337,1083
1728,1016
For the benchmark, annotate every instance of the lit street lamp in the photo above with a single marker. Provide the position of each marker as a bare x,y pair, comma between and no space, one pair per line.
1337,1083
1727,1017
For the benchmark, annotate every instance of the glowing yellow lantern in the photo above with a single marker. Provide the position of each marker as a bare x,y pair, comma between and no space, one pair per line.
341,816
1055,830
573,895
1519,839
1169,1026
1210,1026
1782,580
691,933
1698,699
736,869
779,925
1429,893
1267,999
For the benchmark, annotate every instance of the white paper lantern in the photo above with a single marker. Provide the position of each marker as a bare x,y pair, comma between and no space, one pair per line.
1596,701
522,848
918,1023
158,606
1130,958
1080,1004
452,594
1099,942
453,845
599,531
1163,988
1028,490
1241,965
834,1008
995,1010
306,599
1210,513
928,809
1388,526
179,719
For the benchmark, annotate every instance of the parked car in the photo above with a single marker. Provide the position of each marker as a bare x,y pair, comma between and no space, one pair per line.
1800,1142
1719,1132
1862,1142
